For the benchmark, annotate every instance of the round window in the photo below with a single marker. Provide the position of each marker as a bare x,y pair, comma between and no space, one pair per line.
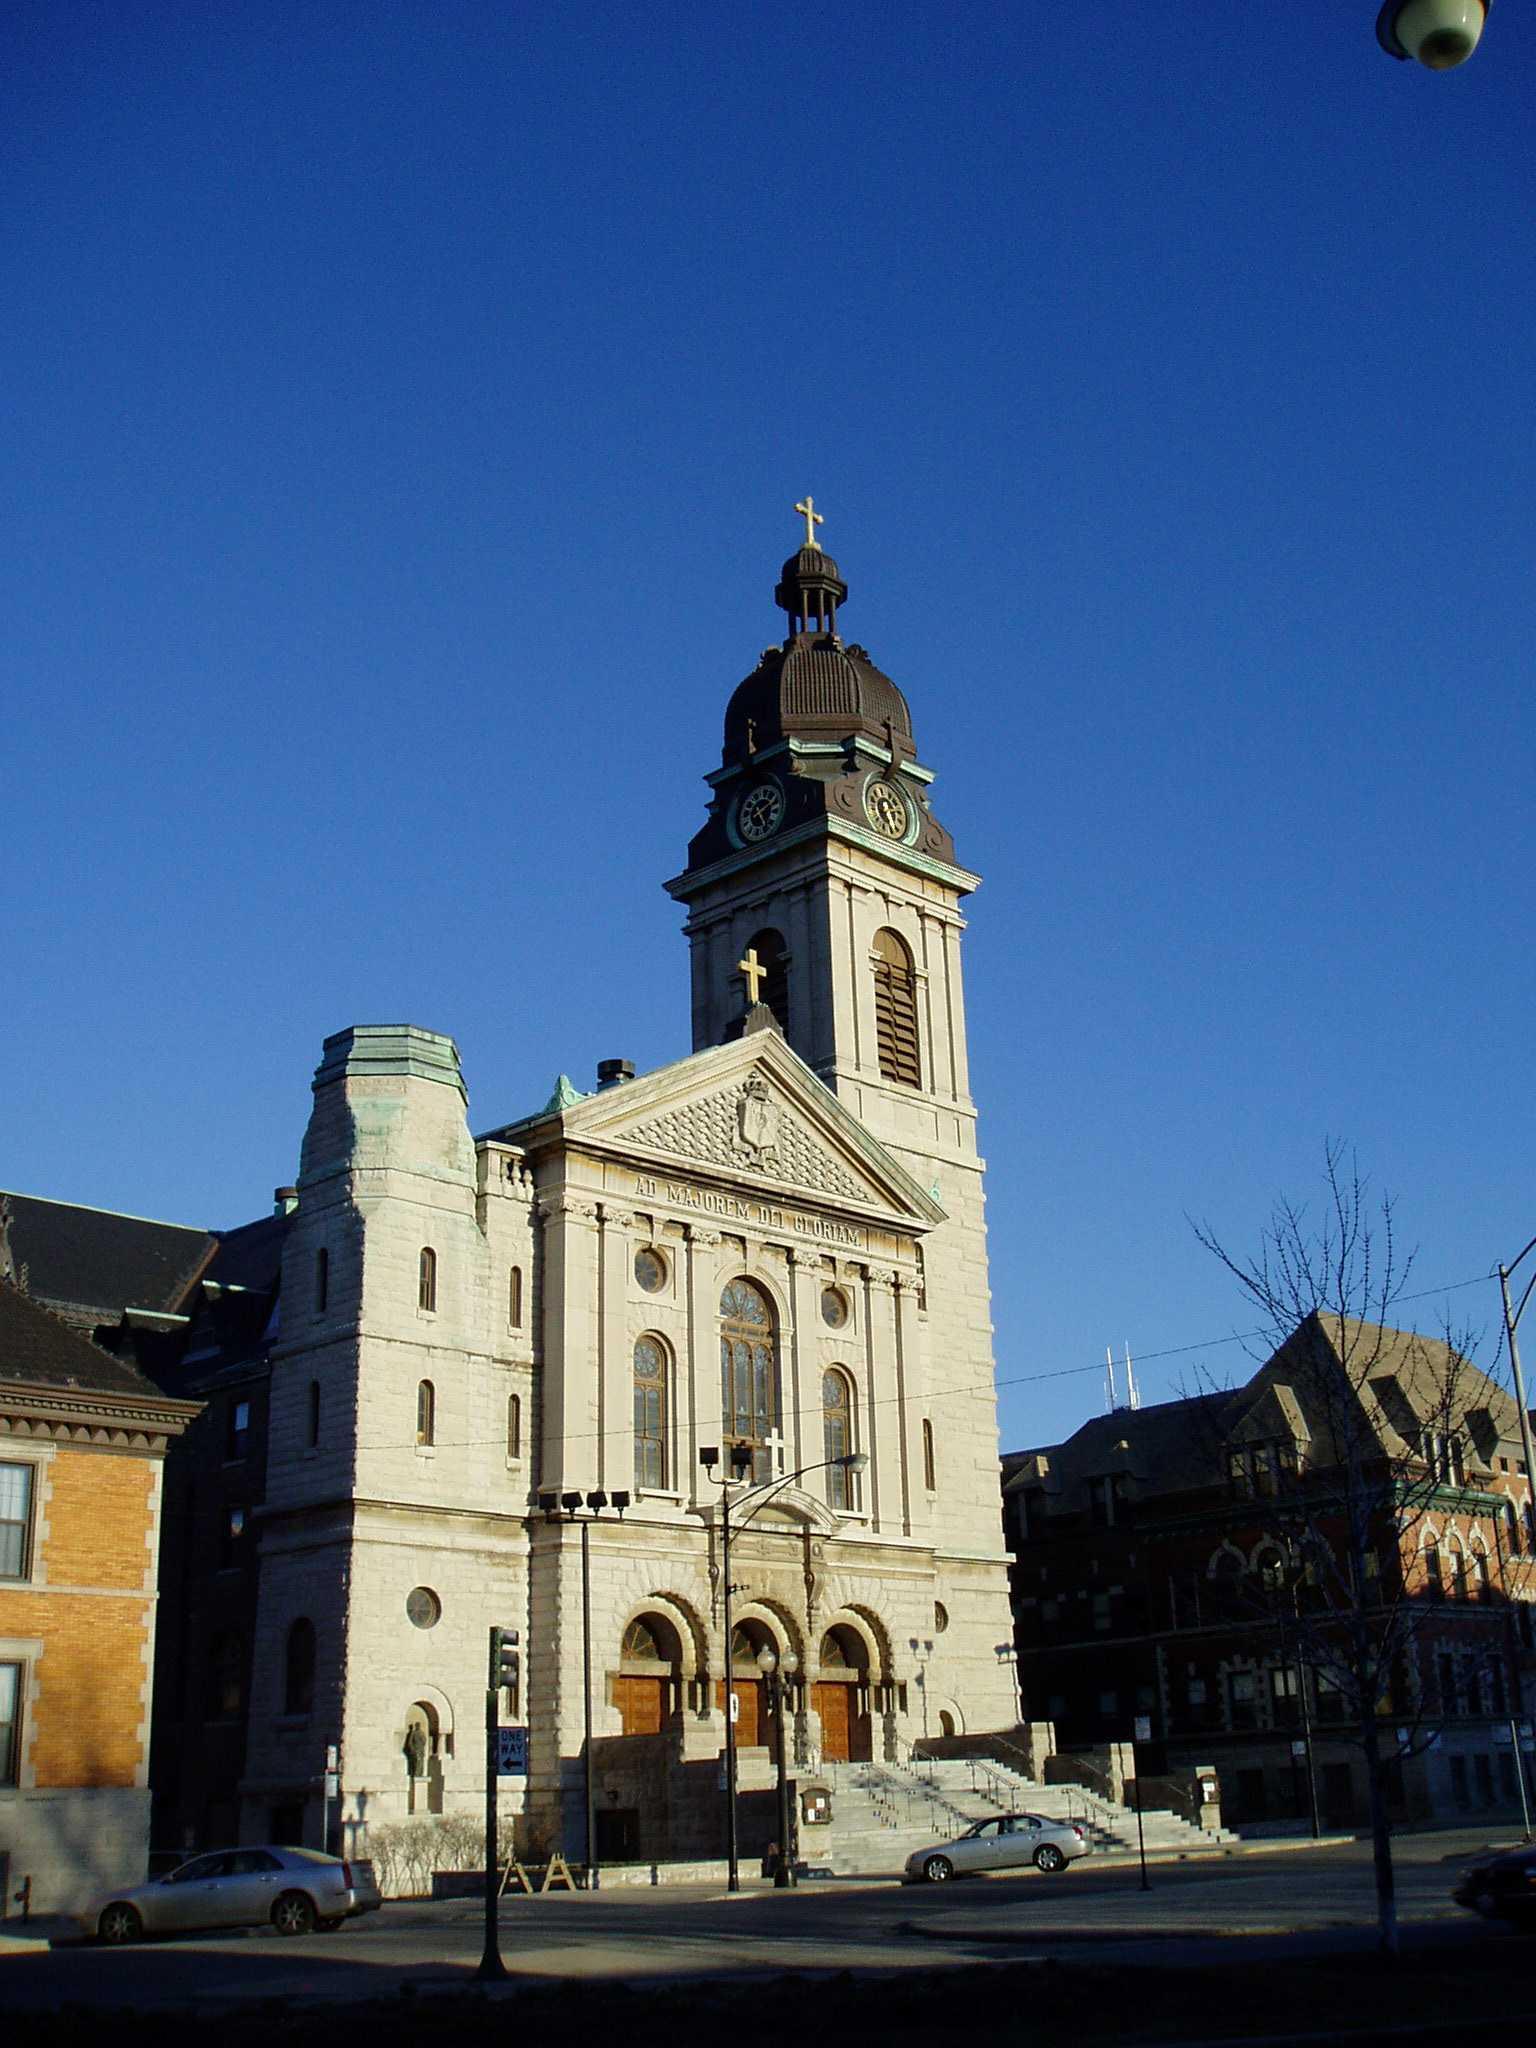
423,1607
940,1617
651,1270
834,1307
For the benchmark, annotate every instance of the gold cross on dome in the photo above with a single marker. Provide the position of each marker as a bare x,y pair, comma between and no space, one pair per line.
754,972
813,519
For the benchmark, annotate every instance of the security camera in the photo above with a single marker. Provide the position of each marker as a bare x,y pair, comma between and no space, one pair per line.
1439,34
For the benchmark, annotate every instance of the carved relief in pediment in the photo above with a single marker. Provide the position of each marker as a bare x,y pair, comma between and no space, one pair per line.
746,1128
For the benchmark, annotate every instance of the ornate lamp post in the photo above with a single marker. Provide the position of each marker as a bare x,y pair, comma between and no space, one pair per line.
571,1505
779,1672
740,1458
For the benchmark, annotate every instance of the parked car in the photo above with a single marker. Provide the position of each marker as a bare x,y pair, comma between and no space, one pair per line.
1006,1843
1501,1887
294,1890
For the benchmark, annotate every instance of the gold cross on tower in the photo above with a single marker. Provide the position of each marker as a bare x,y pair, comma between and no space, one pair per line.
753,971
813,519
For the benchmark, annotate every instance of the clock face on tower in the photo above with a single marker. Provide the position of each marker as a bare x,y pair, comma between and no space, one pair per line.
760,811
886,809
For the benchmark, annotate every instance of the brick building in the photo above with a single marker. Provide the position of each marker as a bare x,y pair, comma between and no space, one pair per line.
1179,1563
83,1437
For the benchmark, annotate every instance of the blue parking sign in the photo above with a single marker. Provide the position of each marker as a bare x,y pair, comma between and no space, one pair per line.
511,1752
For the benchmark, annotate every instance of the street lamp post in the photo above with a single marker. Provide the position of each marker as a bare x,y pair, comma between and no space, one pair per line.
571,1504
1528,1512
779,1672
740,1460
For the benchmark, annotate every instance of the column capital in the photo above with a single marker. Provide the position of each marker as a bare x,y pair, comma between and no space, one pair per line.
556,1207
704,1238
612,1217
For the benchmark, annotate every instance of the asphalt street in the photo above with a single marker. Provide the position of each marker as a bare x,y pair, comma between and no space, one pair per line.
1192,1911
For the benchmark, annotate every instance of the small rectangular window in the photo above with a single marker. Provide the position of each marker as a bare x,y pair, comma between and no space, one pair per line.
426,1278
239,1429
10,1723
515,1298
15,1521
322,1280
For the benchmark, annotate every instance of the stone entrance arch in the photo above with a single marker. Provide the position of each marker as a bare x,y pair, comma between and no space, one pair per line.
841,1695
647,1686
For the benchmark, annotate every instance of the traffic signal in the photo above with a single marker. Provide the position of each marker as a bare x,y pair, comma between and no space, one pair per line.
504,1659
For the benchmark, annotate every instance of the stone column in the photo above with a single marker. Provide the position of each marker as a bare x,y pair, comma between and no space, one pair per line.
616,1422
702,1365
802,1392
882,1421
569,1423
909,1403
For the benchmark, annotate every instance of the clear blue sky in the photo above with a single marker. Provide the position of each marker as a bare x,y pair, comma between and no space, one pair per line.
403,409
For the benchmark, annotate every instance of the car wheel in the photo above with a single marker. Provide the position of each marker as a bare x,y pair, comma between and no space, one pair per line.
1486,1904
1049,1858
119,1922
938,1870
293,1914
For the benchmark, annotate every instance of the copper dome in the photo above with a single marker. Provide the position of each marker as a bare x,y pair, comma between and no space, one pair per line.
814,688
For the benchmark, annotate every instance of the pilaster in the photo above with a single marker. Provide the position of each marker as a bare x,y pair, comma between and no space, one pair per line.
615,1467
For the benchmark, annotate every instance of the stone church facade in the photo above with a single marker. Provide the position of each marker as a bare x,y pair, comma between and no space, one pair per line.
777,1241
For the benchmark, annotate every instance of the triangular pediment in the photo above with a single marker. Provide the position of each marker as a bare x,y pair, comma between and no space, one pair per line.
751,1115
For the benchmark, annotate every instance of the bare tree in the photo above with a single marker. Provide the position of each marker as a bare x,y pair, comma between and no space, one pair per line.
1377,1428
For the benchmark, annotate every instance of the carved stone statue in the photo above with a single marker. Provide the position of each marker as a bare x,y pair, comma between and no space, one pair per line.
757,1124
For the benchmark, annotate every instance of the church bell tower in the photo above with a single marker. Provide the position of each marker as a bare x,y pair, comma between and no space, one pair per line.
823,885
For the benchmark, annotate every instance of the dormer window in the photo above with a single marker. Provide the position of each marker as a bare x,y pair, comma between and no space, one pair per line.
1107,1500
1260,1471
1445,1457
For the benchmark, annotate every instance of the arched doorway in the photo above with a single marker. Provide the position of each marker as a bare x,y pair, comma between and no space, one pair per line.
747,1638
648,1685
841,1697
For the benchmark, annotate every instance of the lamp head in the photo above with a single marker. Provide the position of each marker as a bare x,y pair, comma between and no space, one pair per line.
709,1456
549,1504
619,1501
767,1662
741,1460
570,1502
855,1461
597,1501
1439,34
789,1663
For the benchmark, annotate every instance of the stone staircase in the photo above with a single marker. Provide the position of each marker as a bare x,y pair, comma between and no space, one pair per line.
882,1812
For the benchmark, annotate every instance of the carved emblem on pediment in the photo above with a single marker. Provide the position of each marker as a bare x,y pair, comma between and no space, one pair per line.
745,1128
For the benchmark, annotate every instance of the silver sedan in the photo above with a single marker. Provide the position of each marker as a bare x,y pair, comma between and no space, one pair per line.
294,1890
1008,1842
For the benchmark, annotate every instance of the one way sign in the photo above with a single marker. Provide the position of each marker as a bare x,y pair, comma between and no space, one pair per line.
511,1752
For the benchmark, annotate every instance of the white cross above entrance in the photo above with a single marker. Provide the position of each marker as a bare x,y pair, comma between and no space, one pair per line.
774,1443
807,510
753,971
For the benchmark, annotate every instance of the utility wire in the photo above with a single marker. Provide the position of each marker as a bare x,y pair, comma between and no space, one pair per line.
977,1387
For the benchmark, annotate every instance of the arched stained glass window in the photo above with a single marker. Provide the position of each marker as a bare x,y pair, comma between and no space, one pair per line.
749,1373
837,1437
650,1413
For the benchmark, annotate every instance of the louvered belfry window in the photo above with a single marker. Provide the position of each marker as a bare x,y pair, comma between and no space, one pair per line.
896,1011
